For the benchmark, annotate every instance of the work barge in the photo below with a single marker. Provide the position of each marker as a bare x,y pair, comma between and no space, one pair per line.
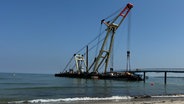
104,56
126,76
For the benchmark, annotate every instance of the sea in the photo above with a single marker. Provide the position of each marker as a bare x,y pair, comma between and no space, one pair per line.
22,88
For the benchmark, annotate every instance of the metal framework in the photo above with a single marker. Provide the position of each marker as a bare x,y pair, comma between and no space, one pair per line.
80,62
104,54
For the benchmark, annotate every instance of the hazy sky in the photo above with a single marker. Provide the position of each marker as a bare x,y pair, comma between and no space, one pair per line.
40,36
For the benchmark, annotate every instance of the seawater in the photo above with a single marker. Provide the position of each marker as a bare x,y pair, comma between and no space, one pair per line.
20,88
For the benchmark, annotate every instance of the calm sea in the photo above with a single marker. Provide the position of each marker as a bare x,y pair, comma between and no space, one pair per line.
32,88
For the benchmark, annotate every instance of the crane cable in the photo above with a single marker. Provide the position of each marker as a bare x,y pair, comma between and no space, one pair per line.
114,13
68,63
100,32
128,66
97,37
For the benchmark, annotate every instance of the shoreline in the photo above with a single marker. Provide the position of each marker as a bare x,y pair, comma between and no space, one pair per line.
172,99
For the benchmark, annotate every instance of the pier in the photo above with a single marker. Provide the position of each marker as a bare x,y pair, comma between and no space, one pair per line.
159,70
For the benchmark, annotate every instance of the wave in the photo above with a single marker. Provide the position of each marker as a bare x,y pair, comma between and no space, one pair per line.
93,99
169,96
73,99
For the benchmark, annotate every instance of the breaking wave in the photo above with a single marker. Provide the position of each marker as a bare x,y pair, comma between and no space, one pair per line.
40,101
169,96
73,99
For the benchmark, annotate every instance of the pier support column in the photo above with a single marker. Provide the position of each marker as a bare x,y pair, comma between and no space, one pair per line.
144,78
165,77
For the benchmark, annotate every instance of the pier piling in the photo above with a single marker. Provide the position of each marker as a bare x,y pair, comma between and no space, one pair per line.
165,77
144,78
158,71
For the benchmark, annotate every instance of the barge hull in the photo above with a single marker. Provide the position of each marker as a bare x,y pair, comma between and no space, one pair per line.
120,76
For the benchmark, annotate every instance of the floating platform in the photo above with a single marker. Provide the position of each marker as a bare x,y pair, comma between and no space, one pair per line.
104,76
104,57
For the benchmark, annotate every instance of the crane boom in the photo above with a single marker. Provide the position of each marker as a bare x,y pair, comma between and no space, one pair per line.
112,26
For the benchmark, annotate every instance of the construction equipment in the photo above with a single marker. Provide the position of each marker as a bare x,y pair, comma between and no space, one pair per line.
103,57
112,26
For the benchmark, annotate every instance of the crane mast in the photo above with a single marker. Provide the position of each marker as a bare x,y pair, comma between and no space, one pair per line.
104,54
103,58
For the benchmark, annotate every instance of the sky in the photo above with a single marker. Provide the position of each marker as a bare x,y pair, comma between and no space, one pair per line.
40,36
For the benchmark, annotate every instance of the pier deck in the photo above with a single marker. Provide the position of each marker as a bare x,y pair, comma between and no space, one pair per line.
159,70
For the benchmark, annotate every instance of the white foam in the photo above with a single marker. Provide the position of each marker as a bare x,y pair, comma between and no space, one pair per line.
96,98
165,96
75,99
88,99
